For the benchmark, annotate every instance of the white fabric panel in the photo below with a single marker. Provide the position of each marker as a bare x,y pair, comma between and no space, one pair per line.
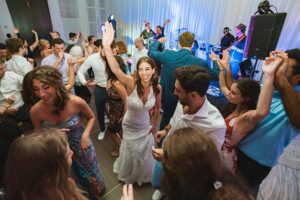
205,18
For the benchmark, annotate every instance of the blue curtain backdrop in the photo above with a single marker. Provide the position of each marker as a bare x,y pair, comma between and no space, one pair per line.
205,18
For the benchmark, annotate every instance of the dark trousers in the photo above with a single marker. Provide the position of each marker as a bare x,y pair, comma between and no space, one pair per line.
100,101
22,114
251,170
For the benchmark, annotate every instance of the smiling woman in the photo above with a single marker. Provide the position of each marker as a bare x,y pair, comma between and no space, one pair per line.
58,109
135,163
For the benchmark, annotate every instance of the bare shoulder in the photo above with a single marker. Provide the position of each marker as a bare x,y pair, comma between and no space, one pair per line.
76,100
118,84
36,108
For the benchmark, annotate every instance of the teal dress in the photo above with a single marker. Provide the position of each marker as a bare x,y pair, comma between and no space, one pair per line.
85,164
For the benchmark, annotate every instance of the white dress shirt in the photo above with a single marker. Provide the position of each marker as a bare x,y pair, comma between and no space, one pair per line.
98,65
136,56
19,65
63,66
11,85
207,118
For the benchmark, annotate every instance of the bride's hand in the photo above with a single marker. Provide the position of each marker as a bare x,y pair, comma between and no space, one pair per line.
108,35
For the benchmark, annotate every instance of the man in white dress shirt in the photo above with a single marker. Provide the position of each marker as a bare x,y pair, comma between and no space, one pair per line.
18,63
10,88
97,62
141,51
194,111
59,59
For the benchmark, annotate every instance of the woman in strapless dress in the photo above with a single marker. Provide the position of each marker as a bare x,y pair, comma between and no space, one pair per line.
58,109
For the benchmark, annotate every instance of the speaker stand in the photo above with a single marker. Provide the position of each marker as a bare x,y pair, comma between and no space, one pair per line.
254,68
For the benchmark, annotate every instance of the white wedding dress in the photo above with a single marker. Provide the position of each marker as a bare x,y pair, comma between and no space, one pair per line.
136,163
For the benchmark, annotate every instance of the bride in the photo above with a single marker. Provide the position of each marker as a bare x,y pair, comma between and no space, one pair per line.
135,163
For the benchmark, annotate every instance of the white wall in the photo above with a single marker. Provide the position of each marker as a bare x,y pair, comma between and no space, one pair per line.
66,25
62,25
6,23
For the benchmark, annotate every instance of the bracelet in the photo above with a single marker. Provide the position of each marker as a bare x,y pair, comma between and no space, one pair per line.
221,69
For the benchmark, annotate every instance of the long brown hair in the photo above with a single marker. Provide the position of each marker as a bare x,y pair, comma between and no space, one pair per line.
110,75
37,168
154,78
52,77
250,91
27,92
192,166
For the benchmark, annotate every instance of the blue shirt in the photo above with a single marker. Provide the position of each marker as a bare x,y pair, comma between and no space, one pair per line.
267,141
63,66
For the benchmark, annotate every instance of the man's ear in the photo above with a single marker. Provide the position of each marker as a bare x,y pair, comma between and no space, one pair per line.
295,80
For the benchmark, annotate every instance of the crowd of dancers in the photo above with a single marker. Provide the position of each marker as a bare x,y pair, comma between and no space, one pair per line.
164,129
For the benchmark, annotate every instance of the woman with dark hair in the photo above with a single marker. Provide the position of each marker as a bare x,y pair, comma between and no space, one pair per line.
27,91
193,169
59,109
38,167
245,101
135,163
116,94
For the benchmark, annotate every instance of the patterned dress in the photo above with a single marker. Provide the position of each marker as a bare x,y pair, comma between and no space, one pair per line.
115,112
228,151
85,164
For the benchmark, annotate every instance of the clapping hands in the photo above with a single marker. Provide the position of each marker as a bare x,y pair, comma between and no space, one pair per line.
272,62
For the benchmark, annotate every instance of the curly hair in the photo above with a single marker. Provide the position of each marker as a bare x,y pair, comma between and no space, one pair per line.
154,78
37,168
52,77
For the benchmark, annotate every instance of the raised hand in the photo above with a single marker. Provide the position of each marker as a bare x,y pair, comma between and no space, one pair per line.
108,35
33,31
280,73
213,56
167,21
271,64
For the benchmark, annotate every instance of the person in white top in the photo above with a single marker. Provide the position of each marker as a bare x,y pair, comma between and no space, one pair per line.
59,59
194,111
141,51
97,62
17,63
11,102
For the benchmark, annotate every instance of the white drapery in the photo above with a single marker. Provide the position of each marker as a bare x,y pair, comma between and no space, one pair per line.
205,18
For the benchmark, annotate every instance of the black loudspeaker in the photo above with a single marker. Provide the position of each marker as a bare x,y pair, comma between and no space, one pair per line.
263,34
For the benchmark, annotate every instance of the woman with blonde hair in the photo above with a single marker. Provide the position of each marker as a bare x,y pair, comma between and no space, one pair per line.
44,47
